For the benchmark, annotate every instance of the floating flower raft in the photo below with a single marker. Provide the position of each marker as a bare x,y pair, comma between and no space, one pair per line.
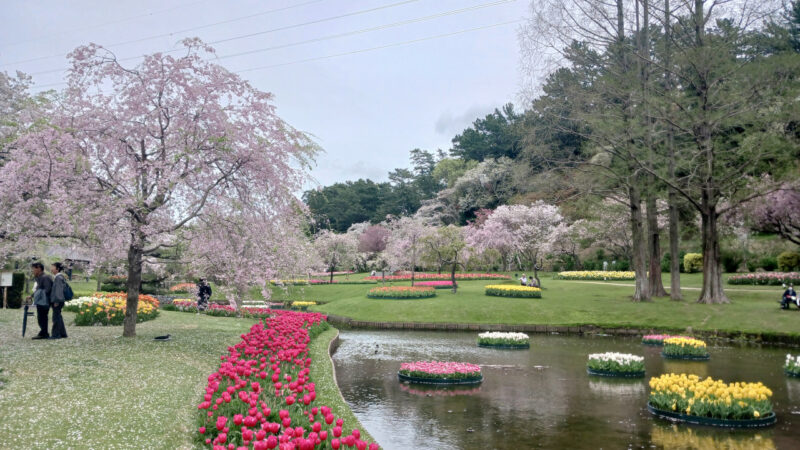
612,364
685,348
792,366
438,372
504,340
689,399
658,339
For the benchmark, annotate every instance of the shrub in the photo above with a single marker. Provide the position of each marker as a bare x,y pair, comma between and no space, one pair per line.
768,263
731,260
788,261
693,262
667,259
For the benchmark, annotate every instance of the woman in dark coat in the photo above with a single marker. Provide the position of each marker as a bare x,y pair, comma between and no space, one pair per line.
57,301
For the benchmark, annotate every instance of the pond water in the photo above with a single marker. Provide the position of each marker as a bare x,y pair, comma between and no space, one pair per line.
543,397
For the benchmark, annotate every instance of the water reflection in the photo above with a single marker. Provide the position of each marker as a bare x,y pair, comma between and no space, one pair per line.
541,397
685,437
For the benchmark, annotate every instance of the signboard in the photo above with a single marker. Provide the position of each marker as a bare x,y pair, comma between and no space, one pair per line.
6,279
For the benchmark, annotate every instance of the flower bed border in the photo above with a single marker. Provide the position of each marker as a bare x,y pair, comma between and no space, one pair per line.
766,421
687,357
608,373
524,346
401,298
419,380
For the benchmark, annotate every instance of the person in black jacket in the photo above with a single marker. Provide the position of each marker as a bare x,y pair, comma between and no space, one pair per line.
203,294
789,297
57,300
41,298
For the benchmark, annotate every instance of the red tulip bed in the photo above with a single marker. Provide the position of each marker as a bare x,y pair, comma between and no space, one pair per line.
444,276
435,284
220,310
262,396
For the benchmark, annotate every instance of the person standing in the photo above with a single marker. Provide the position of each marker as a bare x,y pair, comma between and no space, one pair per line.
203,294
57,300
41,298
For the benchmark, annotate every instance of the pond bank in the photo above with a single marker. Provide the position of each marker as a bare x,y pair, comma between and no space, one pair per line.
772,338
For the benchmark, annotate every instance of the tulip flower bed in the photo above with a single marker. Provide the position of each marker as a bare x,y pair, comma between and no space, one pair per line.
441,284
766,278
108,308
596,275
262,396
505,340
436,372
401,292
710,402
181,305
792,366
658,339
443,277
184,287
511,290
612,364
684,348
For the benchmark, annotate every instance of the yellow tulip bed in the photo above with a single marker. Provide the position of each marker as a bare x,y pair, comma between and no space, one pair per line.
510,290
596,275
688,394
109,309
684,347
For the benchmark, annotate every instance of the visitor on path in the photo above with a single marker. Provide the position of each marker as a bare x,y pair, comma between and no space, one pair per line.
41,298
523,280
57,300
372,274
203,294
532,282
789,297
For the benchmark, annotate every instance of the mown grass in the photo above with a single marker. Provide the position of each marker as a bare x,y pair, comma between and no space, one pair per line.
98,390
567,303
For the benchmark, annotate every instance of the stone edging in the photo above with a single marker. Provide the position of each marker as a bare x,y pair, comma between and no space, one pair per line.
332,346
757,338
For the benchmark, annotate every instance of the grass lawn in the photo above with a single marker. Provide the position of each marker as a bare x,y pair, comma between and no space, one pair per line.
752,309
98,390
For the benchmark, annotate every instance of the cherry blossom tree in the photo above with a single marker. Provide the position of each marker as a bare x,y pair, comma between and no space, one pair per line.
447,246
778,212
154,148
404,245
373,242
335,250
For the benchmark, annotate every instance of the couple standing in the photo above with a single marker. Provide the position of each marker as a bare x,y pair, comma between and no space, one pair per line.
49,292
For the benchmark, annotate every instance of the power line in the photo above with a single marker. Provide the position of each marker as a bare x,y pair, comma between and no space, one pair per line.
156,36
105,24
396,44
354,52
324,38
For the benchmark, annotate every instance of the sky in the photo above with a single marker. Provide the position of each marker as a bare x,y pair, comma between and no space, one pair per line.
370,80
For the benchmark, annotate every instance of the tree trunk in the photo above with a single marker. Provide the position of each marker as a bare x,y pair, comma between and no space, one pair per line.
331,280
712,272
135,251
413,265
654,283
99,277
672,199
453,275
641,292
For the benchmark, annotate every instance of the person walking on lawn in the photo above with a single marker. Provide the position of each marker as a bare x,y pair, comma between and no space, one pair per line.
41,298
57,301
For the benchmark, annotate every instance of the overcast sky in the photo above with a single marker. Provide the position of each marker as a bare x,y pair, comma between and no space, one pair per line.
366,107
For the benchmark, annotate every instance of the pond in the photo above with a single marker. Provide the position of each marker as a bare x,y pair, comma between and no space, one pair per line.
543,397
